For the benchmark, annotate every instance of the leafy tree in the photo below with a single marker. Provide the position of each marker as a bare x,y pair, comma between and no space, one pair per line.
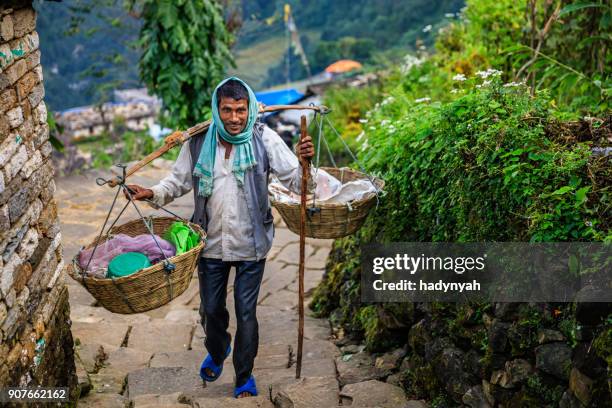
185,51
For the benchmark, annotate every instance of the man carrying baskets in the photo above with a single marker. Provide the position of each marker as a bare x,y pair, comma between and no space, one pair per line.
228,169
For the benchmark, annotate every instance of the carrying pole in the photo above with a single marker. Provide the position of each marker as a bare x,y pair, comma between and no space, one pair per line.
179,137
305,172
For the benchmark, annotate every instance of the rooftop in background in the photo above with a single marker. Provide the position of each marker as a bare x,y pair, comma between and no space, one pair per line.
279,97
342,66
135,95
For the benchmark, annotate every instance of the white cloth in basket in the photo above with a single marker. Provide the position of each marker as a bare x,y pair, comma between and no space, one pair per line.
328,190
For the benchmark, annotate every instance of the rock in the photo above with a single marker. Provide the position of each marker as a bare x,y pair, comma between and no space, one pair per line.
102,401
497,361
419,336
353,368
515,372
569,401
448,367
506,311
164,380
498,336
306,392
501,378
389,362
474,363
549,336
373,393
15,116
436,347
341,339
6,28
581,386
554,359
588,362
395,379
415,404
405,365
590,312
166,400
487,319
108,381
352,349
91,356
475,398
83,380
518,371
494,393
260,401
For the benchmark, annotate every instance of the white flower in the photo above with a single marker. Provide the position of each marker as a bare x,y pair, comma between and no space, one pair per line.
422,48
422,100
459,77
384,122
363,121
427,28
512,84
409,62
454,91
387,100
449,15
360,136
489,72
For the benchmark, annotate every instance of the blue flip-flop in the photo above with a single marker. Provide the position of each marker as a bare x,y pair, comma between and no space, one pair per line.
248,386
210,364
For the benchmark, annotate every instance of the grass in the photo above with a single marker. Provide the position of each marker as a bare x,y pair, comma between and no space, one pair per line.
253,62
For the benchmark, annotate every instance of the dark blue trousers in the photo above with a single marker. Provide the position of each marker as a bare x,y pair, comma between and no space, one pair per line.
213,275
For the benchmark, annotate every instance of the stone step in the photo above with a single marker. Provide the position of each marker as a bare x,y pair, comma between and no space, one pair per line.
260,401
104,333
373,393
164,380
307,392
159,335
190,359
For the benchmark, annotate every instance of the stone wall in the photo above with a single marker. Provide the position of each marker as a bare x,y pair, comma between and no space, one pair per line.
35,339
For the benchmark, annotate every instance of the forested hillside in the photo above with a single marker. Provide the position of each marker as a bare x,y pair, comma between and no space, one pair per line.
90,44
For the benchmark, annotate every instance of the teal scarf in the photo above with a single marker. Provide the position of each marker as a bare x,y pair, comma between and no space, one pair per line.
243,154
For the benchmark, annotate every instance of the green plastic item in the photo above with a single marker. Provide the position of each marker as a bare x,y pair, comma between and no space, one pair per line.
127,263
182,237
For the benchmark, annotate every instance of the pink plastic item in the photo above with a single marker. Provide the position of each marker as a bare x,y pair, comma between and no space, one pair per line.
122,243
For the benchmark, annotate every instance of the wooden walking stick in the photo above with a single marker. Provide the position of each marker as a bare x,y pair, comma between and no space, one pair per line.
305,172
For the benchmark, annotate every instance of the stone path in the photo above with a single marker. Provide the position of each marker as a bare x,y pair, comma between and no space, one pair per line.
152,359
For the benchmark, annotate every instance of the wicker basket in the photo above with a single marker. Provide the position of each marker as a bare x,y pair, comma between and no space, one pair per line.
334,220
148,288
